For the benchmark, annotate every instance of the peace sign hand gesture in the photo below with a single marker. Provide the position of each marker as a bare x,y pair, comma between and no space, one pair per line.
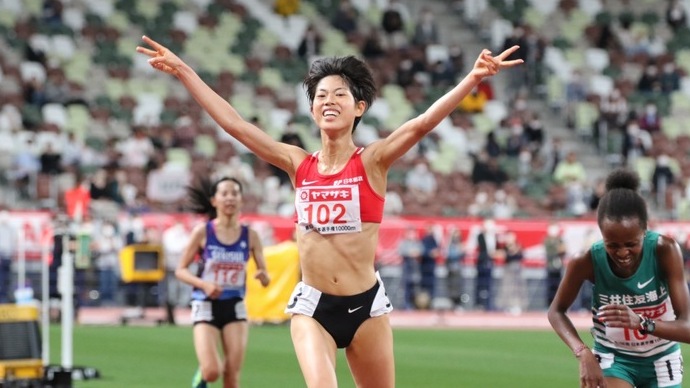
161,58
487,65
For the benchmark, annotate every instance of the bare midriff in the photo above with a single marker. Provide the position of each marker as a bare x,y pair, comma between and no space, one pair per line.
339,264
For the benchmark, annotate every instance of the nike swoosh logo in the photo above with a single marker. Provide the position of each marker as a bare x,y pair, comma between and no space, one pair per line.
350,311
643,285
307,183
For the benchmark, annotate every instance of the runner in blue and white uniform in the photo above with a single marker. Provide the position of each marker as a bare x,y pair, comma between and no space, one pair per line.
218,310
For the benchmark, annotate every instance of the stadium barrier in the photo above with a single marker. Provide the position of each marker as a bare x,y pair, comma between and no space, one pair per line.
577,234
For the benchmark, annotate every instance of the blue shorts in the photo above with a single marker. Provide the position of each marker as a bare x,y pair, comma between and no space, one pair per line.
341,316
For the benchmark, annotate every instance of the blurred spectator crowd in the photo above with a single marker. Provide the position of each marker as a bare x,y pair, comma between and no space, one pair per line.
84,119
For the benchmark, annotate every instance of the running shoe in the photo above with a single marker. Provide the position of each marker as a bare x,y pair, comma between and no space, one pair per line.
197,381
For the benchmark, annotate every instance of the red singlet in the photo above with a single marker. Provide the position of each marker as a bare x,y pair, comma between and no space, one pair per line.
336,203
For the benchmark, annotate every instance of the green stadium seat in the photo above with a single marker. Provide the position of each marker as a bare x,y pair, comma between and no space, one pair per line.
135,87
680,103
444,161
31,115
34,7
644,166
178,156
168,117
673,126
95,143
333,41
374,14
534,18
603,18
229,26
482,123
167,9
561,42
205,145
575,56
369,120
586,114
271,78
614,144
124,5
103,101
650,18
119,20
573,29
234,64
147,9
78,119
7,20
626,17
266,39
555,91
683,211
244,106
682,59
94,20
116,88
137,19
397,175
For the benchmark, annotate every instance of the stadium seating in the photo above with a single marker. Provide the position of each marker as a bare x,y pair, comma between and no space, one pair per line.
247,42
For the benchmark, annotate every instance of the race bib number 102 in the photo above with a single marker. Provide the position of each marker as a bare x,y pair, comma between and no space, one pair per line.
329,209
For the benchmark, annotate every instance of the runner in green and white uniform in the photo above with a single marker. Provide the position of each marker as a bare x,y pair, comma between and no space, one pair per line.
624,350
640,301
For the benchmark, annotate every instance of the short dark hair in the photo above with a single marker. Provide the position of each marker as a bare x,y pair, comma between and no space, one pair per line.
200,195
622,199
355,72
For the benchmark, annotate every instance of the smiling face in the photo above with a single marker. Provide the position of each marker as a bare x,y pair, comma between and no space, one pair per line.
228,198
334,106
623,243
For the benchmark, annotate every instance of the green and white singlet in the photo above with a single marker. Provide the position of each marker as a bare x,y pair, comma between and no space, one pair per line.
645,292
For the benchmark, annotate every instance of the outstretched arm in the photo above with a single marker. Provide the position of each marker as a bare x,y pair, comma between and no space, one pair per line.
264,146
401,140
